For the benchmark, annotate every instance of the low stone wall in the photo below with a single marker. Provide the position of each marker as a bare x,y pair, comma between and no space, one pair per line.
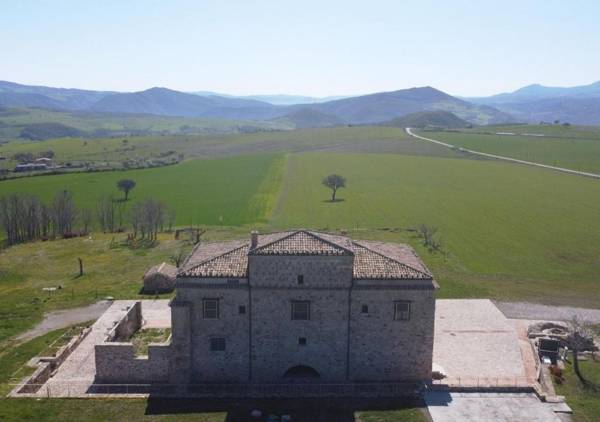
48,365
129,324
117,363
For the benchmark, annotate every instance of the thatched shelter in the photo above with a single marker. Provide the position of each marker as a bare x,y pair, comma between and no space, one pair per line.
160,278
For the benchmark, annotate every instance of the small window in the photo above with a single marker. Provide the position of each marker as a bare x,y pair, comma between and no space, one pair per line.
300,279
302,341
210,308
301,310
217,344
242,309
402,310
364,309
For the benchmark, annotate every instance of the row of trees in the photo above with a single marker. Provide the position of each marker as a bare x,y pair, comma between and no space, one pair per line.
25,217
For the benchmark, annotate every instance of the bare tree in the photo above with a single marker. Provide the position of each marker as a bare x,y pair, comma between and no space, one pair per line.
63,212
148,218
334,182
126,185
177,257
105,211
579,338
85,217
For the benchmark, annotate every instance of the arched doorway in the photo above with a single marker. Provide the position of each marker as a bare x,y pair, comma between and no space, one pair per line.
301,373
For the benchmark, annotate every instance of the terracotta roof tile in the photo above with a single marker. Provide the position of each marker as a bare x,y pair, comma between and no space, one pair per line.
301,243
372,260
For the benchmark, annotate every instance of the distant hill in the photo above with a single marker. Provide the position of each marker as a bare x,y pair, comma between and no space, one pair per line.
383,106
307,117
275,99
167,102
42,131
535,103
422,119
365,109
17,95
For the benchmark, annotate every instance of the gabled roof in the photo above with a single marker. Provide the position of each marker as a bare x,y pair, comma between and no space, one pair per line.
371,264
372,260
233,263
301,242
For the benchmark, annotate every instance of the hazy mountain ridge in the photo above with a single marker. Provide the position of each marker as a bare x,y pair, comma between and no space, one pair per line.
365,109
535,103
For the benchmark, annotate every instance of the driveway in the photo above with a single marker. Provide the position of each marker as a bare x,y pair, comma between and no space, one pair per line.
497,407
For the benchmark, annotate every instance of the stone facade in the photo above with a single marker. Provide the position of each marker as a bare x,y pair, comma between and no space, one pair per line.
286,308
350,336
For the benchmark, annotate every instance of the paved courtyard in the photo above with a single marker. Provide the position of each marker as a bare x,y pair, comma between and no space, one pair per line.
75,376
476,345
477,407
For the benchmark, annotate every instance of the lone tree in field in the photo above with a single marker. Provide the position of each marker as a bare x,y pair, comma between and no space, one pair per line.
126,185
334,182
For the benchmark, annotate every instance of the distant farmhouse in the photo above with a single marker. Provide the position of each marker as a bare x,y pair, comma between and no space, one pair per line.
298,306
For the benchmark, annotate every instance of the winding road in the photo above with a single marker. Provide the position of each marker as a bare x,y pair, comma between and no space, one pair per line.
500,157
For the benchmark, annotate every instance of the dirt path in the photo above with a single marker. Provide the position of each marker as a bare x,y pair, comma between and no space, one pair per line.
501,157
63,318
534,311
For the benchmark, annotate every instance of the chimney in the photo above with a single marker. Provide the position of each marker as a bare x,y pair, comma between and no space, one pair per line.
253,239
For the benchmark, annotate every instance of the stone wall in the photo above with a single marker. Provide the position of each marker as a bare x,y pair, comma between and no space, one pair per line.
48,365
382,349
275,336
115,357
232,364
116,363
129,324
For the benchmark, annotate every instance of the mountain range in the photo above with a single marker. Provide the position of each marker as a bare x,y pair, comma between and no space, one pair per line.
365,109
533,103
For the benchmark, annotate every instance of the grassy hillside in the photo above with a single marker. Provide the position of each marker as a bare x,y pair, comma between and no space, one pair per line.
115,150
577,148
232,191
510,231
423,119
16,123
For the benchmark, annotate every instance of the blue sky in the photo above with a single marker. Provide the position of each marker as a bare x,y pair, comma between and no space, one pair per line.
300,47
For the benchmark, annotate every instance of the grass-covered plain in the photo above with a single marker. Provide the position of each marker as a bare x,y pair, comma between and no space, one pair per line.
510,231
232,191
112,151
576,148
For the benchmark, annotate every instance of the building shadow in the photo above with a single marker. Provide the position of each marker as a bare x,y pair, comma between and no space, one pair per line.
300,410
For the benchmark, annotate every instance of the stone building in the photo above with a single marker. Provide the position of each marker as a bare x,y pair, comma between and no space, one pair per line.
160,278
302,306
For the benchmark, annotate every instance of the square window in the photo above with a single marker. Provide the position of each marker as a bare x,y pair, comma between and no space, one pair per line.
300,279
242,309
210,308
217,344
364,309
402,310
301,310
302,341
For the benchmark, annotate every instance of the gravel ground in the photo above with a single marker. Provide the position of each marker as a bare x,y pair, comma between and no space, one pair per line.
60,319
533,311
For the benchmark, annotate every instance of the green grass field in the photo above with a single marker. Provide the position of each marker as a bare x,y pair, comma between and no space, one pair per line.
508,231
513,231
232,191
113,151
573,148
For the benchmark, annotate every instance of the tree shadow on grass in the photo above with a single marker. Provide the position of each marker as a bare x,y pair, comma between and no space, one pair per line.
334,201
